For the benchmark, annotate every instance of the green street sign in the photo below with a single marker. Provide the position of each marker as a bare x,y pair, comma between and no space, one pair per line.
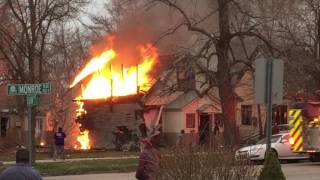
31,100
27,89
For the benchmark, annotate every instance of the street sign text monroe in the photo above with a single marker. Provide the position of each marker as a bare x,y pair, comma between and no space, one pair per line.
25,89
30,89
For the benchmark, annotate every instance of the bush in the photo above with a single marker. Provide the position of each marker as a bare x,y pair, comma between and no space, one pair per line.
271,169
204,164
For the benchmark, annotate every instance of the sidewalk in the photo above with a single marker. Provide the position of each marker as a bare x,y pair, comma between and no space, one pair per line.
75,159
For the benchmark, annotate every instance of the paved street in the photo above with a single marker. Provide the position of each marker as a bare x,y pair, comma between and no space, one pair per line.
111,176
292,171
305,171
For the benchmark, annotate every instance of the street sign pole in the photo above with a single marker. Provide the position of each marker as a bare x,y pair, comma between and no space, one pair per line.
269,70
30,139
269,88
31,101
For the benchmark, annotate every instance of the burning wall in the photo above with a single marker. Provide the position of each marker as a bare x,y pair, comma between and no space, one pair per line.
103,117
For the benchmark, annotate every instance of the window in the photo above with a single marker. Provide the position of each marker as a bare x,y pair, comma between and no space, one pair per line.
4,125
185,78
39,126
279,114
138,114
191,120
246,114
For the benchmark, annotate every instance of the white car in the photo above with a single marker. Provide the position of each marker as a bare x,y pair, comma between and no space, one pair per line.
279,144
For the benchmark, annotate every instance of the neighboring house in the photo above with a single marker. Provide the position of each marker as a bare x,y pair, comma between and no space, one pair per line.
14,125
183,111
175,102
11,126
249,114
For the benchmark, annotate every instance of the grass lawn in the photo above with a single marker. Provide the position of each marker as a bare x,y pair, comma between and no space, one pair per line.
84,167
10,156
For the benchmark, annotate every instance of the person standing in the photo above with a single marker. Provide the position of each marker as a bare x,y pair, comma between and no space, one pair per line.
216,130
194,138
21,170
181,139
148,161
275,128
59,143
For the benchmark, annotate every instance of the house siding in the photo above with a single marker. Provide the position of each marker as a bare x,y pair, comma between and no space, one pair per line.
14,134
172,122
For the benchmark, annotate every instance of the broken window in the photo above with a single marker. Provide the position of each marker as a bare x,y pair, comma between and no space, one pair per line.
190,120
246,114
4,123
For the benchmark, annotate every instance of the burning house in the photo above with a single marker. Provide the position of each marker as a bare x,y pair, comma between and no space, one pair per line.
105,120
111,87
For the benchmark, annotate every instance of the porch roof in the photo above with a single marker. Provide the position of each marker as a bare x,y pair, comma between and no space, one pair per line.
203,107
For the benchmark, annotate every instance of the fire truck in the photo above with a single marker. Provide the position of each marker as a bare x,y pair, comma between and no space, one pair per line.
304,120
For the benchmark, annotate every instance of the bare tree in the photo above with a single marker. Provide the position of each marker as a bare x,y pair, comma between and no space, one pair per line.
69,50
25,40
300,41
227,43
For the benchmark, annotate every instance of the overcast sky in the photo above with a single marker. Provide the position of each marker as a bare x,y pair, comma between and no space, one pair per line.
94,8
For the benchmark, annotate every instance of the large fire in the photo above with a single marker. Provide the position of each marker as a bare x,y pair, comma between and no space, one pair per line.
107,80
84,140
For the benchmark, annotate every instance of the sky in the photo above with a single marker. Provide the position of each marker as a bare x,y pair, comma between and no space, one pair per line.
94,8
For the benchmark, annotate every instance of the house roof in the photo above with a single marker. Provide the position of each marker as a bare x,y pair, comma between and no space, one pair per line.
165,93
175,100
203,107
159,100
182,100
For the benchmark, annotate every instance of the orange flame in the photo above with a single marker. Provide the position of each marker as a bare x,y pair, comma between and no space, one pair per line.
84,140
110,81
94,65
80,111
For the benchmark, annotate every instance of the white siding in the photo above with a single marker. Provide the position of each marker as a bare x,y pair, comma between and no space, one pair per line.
172,122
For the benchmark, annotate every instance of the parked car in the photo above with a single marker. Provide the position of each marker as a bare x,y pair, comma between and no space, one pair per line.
279,145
